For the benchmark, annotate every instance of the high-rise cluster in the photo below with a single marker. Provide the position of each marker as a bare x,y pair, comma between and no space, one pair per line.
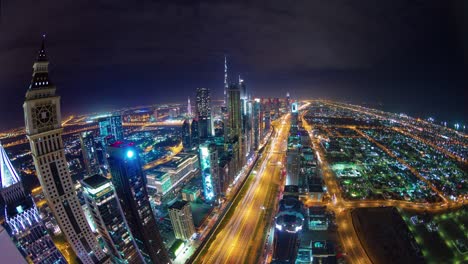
119,207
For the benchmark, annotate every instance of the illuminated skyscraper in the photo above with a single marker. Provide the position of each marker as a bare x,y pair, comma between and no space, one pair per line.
88,150
234,112
256,123
204,112
246,112
104,205
225,80
23,220
194,132
189,108
130,186
181,220
187,134
294,117
111,126
210,171
44,130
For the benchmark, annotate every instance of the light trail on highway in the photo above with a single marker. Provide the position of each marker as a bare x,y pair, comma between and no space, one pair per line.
239,241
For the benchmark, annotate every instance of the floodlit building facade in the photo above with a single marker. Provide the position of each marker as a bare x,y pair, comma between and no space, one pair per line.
43,122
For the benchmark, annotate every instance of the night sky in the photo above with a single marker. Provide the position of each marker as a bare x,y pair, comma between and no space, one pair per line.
406,56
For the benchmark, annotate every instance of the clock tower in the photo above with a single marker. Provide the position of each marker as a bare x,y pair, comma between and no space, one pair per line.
44,130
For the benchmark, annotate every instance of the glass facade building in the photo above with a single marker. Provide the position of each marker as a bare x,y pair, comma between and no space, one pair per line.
130,186
105,209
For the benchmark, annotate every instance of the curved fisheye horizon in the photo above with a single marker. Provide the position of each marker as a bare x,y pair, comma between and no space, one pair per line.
233,132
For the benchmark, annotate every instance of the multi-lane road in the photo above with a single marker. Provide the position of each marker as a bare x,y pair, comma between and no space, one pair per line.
354,251
242,239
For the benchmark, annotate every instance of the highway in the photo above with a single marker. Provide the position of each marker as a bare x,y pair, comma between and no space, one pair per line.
242,239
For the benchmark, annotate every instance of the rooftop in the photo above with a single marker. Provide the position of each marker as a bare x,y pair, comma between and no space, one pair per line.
95,181
177,160
178,205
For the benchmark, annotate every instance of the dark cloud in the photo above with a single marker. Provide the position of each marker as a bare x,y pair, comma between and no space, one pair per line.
106,54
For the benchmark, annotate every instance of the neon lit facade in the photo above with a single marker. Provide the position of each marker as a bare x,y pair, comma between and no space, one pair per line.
208,166
102,201
130,183
23,220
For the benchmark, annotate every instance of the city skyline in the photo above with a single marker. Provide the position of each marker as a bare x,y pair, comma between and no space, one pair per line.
427,56
305,133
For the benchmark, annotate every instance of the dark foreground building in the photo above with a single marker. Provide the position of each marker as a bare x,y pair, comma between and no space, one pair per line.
130,186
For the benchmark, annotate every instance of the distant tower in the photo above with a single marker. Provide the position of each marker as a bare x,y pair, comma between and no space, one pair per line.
246,117
256,120
194,133
189,108
23,219
187,134
234,111
181,220
88,150
100,196
130,185
111,127
43,122
204,112
225,80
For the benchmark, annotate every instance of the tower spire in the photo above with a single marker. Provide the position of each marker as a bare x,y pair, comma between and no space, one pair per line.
7,171
11,188
225,80
42,54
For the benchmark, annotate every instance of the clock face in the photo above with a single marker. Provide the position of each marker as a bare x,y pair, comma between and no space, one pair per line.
44,116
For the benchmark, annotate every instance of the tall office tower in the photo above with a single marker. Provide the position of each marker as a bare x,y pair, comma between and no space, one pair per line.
204,112
88,149
23,219
225,80
189,108
243,89
246,111
256,121
288,100
104,205
182,220
111,126
289,222
294,118
210,171
130,186
235,123
43,123
234,111
195,133
187,134
247,121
